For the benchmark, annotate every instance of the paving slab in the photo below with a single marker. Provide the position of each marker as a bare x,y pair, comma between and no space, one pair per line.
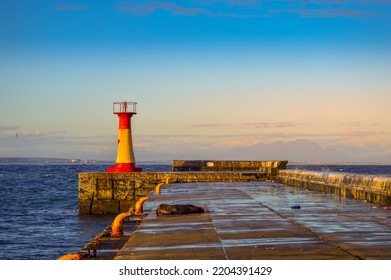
255,220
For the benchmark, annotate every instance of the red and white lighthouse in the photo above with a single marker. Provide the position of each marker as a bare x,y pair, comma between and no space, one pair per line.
125,156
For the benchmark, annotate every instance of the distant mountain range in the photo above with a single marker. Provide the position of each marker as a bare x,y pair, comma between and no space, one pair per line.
298,150
302,150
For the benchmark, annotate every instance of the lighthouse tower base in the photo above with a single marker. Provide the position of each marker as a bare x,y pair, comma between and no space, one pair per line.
124,167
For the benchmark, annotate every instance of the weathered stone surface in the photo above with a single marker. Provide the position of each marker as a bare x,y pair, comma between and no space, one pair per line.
102,192
104,207
237,226
376,189
253,221
112,192
227,165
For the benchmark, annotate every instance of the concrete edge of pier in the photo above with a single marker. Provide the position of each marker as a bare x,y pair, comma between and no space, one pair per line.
371,188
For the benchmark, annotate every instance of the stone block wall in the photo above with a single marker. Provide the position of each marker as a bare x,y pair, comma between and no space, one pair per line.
229,165
104,193
375,189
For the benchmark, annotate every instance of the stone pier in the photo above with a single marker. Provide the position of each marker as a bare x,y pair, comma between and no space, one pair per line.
371,188
270,167
112,193
253,210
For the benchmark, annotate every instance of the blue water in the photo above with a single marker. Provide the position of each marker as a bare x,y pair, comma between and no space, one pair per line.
39,217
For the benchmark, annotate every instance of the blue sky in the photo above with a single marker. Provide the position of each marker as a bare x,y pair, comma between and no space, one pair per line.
209,76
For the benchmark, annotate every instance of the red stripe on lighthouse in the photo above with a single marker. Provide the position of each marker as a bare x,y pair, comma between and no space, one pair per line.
124,167
124,120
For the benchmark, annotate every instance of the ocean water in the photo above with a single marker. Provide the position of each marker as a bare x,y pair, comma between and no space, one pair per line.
39,217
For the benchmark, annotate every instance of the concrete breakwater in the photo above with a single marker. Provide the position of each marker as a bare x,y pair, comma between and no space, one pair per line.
112,193
270,167
371,188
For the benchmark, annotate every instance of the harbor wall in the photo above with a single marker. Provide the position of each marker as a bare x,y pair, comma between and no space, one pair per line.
269,166
104,193
112,193
371,188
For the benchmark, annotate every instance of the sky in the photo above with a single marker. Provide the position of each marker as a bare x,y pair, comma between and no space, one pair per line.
209,77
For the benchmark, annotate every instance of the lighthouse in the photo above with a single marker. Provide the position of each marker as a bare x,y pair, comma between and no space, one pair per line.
125,156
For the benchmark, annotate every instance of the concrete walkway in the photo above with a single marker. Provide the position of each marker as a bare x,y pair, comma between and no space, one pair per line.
255,220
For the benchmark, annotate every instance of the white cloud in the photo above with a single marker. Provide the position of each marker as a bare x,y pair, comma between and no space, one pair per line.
34,132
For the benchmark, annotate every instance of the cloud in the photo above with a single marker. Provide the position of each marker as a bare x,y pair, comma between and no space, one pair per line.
241,2
209,125
36,132
273,124
357,124
251,8
149,8
360,134
157,136
337,134
178,10
142,145
352,123
329,13
256,125
66,6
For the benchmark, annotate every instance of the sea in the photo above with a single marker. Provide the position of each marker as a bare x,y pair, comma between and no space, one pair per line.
39,218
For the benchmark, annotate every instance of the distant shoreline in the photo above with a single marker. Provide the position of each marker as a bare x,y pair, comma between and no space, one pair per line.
6,160
13,160
46,160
